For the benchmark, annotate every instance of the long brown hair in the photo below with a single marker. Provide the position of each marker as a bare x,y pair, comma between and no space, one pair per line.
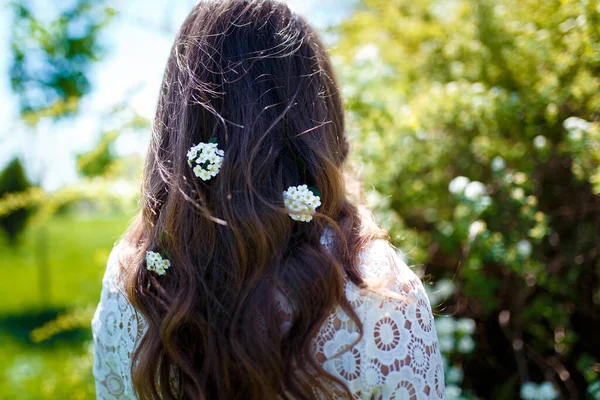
255,77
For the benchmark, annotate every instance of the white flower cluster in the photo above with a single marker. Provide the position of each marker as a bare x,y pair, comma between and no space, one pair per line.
455,334
155,263
472,190
207,159
300,203
542,391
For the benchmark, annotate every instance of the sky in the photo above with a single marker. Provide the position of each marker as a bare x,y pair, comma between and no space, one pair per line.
138,43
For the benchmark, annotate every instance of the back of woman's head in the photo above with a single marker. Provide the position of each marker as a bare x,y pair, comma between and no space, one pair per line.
254,77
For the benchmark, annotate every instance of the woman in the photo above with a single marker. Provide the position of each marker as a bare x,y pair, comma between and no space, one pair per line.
249,274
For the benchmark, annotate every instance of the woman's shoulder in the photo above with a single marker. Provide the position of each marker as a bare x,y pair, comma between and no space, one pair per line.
116,328
384,270
113,293
393,294
398,350
114,314
112,271
116,266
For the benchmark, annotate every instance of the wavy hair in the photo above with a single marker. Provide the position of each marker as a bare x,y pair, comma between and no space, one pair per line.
255,77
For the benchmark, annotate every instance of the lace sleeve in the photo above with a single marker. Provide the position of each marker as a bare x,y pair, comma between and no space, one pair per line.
400,340
398,356
115,331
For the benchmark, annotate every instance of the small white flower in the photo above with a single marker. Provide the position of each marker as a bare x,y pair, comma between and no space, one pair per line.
458,184
315,201
300,203
528,391
444,326
478,87
574,123
455,375
498,163
476,228
575,135
466,325
548,391
446,344
208,158
539,142
155,263
524,248
209,152
453,392
520,178
368,52
465,344
474,190
192,154
213,169
518,194
543,391
205,175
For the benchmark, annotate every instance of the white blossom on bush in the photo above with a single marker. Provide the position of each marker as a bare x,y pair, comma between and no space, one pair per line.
476,228
446,344
444,326
524,248
465,344
474,190
540,141
517,194
498,163
466,325
542,391
454,336
575,124
458,184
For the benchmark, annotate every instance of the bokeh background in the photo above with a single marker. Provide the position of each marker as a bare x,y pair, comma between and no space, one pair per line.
475,128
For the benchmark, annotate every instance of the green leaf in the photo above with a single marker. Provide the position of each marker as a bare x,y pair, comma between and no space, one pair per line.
314,190
213,140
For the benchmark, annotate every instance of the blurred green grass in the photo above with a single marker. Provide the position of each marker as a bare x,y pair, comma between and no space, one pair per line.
77,249
62,371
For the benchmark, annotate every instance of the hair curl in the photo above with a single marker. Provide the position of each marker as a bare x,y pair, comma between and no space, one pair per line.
255,77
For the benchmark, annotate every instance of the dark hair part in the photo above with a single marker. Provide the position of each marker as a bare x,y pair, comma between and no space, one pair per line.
255,77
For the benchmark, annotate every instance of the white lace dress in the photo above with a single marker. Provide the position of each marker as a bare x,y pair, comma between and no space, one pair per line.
397,358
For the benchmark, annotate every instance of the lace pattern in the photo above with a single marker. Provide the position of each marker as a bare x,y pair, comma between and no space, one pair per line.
397,357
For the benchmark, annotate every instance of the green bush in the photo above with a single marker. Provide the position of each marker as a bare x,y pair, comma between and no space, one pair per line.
14,180
478,133
97,161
